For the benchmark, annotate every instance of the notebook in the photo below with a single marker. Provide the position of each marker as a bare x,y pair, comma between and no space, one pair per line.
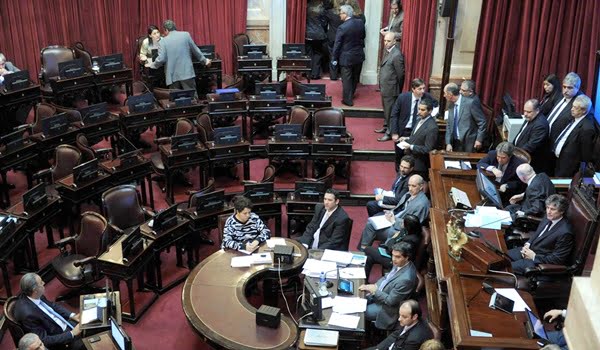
319,337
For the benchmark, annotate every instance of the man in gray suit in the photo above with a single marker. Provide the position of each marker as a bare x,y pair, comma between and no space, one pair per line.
391,80
467,125
175,50
415,202
385,296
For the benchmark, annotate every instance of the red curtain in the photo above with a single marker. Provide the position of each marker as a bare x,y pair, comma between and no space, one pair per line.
418,34
295,21
519,42
111,26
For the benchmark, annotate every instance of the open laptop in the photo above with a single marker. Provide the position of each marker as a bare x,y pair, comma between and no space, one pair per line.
535,328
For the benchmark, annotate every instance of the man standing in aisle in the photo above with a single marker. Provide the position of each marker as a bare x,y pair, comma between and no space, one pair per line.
348,52
174,51
391,80
466,129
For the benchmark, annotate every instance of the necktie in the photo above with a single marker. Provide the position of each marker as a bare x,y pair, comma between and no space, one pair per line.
388,278
555,149
414,113
520,132
546,229
63,324
315,244
455,113
395,187
554,113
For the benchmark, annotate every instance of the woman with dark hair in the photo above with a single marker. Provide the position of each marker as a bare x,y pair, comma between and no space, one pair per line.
149,43
410,233
332,13
552,94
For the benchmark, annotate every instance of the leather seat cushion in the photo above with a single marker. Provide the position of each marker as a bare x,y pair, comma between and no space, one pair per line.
65,270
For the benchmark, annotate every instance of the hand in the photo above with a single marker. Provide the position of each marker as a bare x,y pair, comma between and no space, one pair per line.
552,315
497,172
516,198
503,188
404,145
369,288
403,138
379,197
208,62
251,246
383,31
527,253
334,63
477,145
76,331
395,137
448,148
389,215
148,65
76,317
143,57
520,213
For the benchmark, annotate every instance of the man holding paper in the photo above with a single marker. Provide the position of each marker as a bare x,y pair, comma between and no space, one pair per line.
328,227
384,297
244,230
389,199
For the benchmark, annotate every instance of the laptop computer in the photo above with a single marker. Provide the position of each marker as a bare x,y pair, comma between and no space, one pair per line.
535,328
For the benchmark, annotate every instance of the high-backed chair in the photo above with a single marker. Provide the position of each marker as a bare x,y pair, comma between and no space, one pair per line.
204,128
89,153
51,56
328,116
75,267
66,157
15,329
221,226
122,207
268,176
139,87
301,115
239,40
162,93
522,154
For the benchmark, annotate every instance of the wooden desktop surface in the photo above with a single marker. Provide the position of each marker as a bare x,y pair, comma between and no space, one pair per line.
215,304
105,342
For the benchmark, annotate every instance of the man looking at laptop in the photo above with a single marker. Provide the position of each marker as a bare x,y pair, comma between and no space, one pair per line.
244,230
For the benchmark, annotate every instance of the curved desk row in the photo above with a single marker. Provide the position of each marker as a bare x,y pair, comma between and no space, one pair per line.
215,304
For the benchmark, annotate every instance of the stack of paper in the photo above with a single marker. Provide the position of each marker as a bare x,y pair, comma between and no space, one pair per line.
314,267
271,243
320,337
257,258
488,217
349,305
339,257
345,321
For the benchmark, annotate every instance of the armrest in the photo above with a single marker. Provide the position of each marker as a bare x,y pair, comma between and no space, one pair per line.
162,140
546,270
84,261
24,127
43,174
148,212
514,241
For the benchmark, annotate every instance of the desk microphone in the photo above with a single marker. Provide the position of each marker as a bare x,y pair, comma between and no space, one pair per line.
477,234
488,288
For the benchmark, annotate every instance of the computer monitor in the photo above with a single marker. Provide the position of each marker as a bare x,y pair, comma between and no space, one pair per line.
255,50
182,98
109,63
293,50
208,51
35,197
118,336
312,299
16,81
140,103
71,69
55,125
227,135
86,171
132,244
94,113
207,202
12,141
259,192
309,190
487,189
184,142
313,91
288,132
165,218
267,90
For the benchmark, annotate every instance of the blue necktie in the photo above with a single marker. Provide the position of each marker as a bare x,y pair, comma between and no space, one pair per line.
395,187
456,121
56,314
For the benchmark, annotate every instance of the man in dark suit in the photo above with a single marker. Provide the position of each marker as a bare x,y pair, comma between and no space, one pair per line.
348,52
467,124
405,113
560,115
413,332
533,135
503,164
552,241
399,188
56,326
328,228
391,80
531,202
176,50
576,142
422,139
384,297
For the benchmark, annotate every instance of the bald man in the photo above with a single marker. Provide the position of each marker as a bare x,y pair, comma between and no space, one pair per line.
391,80
531,202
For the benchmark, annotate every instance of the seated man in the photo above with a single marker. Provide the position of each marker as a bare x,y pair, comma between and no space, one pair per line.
413,333
328,227
531,202
552,241
56,326
244,230
31,341
503,165
399,188
415,202
390,290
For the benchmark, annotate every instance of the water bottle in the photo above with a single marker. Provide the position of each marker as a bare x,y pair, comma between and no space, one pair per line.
323,284
95,67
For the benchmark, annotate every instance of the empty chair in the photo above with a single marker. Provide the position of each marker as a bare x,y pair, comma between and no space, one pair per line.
122,207
89,153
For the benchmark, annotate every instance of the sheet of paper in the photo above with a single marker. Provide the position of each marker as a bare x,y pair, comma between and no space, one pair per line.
511,293
90,303
475,333
562,181
271,243
358,259
452,164
349,305
345,321
241,261
245,251
326,302
380,222
262,258
435,111
353,273
313,268
340,257
89,315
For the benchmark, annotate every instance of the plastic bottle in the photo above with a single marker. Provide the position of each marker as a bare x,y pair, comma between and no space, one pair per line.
323,284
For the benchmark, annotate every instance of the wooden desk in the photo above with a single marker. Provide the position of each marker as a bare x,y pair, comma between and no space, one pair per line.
105,342
135,123
137,170
214,72
12,158
295,64
266,111
118,78
179,160
200,222
253,66
331,152
95,327
174,112
230,153
38,218
215,304
437,158
107,128
285,150
10,241
224,113
14,101
84,84
312,104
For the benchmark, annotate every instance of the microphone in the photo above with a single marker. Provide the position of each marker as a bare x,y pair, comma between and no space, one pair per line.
477,234
488,288
506,273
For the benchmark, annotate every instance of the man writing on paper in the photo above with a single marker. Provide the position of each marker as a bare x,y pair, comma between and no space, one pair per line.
55,325
530,202
244,230
383,199
552,241
415,202
328,227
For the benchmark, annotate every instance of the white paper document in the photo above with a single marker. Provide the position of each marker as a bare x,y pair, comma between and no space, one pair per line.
511,293
321,337
339,257
326,302
353,273
345,321
475,333
314,267
358,259
89,315
271,243
262,258
488,217
349,305
241,261
380,222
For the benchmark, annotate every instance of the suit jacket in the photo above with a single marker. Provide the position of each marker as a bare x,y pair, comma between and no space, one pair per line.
411,340
176,50
397,290
423,141
402,110
399,190
536,193
36,321
333,234
418,207
533,138
509,177
391,73
578,147
561,121
349,43
471,123
9,66
555,245
396,24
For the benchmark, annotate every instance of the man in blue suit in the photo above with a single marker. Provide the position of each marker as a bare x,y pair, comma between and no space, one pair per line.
348,52
174,52
466,129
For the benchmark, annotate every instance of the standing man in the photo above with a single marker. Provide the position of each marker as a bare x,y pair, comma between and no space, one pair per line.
391,80
560,115
533,135
467,125
467,89
348,52
175,50
399,188
328,227
396,20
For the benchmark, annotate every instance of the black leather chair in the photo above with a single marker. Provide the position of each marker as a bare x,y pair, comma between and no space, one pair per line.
327,179
15,329
268,176
89,153
122,207
66,157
